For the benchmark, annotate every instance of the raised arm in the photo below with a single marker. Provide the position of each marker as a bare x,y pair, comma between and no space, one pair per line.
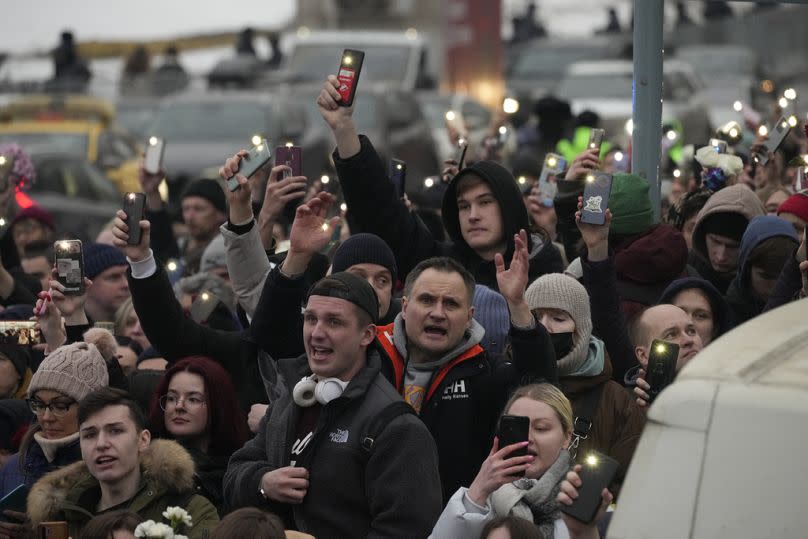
370,195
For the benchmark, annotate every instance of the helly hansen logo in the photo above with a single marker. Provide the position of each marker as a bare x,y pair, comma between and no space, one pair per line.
339,437
456,390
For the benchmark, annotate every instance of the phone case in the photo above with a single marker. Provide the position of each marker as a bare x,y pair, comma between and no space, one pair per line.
597,473
6,166
776,138
596,198
203,306
291,156
349,70
596,137
398,174
153,160
69,260
461,160
513,429
53,530
134,205
249,165
661,368
719,145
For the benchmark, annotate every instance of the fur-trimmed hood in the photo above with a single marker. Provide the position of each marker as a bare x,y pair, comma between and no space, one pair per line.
166,467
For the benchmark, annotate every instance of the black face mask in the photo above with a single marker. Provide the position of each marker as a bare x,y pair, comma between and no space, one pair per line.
562,344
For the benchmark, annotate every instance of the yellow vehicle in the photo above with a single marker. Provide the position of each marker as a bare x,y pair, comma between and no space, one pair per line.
73,125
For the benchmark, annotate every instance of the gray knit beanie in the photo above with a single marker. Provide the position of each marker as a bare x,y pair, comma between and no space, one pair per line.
559,291
491,311
74,370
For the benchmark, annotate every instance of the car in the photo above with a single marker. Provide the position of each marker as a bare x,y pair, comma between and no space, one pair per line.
398,59
535,68
202,129
476,117
730,73
605,87
76,192
77,125
722,453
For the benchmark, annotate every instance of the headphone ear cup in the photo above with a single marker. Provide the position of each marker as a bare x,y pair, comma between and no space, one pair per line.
304,392
329,389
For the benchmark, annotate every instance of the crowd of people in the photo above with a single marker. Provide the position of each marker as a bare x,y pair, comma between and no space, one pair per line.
343,373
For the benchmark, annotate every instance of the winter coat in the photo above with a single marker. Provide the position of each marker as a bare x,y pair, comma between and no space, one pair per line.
376,208
465,397
740,295
167,479
177,336
35,465
208,475
390,491
735,199
617,421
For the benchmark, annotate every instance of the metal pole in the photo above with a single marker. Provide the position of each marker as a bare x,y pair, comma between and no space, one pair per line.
647,95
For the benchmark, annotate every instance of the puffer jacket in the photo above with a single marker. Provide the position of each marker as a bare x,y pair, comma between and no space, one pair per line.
167,479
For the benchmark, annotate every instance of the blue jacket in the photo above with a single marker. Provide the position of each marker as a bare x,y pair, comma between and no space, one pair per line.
35,466
740,296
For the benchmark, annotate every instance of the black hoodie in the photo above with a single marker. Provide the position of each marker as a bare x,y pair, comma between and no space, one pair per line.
375,207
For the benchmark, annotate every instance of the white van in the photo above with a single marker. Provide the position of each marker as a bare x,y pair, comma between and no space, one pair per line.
725,451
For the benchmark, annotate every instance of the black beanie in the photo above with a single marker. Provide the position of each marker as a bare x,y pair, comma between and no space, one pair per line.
364,249
729,224
350,288
210,190
17,355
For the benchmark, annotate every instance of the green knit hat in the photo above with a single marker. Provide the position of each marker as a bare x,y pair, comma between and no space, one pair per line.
630,205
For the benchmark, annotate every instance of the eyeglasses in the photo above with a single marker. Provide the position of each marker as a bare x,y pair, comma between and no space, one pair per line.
191,402
57,408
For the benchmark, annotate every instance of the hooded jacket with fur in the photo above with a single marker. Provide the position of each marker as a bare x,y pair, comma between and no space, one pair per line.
735,199
167,479
375,208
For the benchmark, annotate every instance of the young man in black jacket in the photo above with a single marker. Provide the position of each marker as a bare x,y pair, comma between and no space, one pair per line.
431,352
482,207
310,461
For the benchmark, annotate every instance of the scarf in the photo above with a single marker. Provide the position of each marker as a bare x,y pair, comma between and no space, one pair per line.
534,499
51,447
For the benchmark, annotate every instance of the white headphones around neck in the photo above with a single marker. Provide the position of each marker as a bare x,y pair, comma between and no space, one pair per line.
312,389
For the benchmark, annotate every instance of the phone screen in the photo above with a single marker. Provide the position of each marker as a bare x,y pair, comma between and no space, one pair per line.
70,265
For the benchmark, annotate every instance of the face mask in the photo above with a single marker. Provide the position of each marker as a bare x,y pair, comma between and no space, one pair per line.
562,344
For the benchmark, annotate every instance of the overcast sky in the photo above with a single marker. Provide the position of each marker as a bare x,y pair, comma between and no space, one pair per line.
36,24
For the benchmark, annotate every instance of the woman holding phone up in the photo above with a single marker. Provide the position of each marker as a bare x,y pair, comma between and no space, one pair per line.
522,486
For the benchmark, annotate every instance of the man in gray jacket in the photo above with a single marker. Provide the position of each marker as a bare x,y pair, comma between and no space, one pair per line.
322,459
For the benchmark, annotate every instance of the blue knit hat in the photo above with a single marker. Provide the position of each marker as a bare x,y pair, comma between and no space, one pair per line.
491,312
99,257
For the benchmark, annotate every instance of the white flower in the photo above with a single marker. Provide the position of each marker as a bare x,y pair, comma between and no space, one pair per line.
177,515
154,530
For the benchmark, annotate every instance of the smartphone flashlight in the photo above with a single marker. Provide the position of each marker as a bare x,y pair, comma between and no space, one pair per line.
661,348
590,178
347,59
552,161
256,140
592,460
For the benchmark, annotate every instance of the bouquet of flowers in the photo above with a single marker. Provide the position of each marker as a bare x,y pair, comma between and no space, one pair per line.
178,519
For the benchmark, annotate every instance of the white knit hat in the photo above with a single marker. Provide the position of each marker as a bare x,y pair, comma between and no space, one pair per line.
562,292
73,369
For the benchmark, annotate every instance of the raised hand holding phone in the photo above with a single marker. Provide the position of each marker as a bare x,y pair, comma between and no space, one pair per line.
596,237
501,467
568,493
590,481
584,163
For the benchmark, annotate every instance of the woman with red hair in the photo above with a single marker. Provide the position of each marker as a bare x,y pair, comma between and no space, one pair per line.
195,403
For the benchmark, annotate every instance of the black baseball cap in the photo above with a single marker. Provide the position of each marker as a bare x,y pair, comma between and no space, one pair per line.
347,286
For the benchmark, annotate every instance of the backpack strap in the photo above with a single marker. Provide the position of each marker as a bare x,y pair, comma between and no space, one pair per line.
381,420
582,426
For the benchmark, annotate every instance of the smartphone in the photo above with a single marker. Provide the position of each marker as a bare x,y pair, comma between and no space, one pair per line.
256,158
6,167
719,145
292,157
332,246
349,69
598,472
461,158
153,160
69,260
596,137
53,530
801,183
597,189
398,174
513,429
454,121
109,326
661,368
21,332
15,500
553,164
776,137
203,306
134,205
